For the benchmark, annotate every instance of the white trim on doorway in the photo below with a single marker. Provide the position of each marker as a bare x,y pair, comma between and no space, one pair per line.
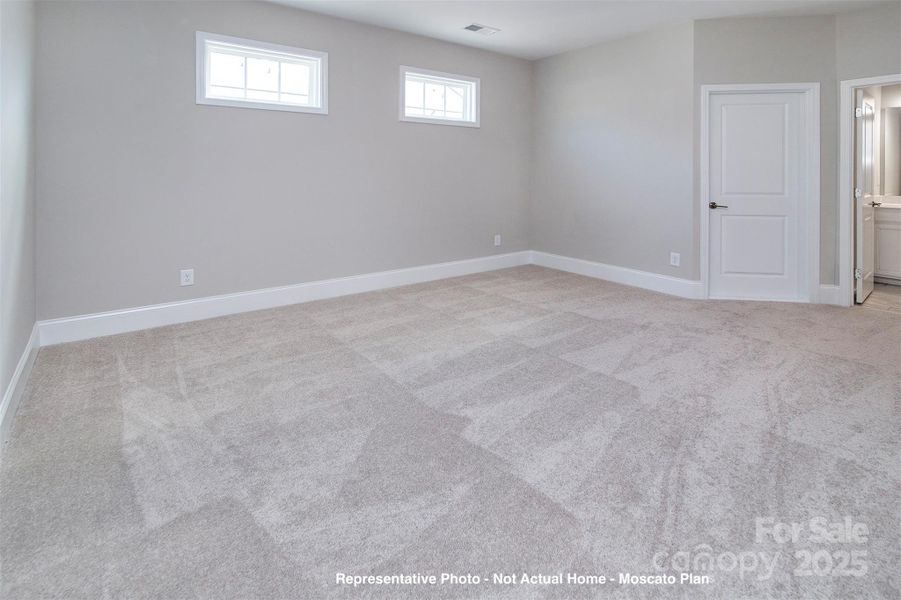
847,88
811,91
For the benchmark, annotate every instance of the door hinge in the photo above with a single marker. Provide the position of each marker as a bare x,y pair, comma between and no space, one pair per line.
858,273
858,112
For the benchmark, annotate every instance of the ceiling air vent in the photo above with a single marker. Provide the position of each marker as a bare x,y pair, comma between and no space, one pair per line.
481,29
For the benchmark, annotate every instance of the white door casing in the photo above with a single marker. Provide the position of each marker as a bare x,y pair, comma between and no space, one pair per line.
864,213
760,169
846,204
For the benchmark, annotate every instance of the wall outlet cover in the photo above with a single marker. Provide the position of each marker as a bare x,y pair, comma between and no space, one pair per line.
187,277
674,259
497,239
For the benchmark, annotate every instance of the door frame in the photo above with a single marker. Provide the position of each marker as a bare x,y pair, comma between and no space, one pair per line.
847,89
809,251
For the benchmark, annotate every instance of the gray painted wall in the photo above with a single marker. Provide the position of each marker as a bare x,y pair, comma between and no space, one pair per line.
16,184
612,175
135,181
868,42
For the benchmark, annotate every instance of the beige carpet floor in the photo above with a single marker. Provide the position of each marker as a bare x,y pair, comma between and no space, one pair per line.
519,421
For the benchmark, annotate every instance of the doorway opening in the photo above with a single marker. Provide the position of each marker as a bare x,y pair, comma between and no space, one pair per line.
870,193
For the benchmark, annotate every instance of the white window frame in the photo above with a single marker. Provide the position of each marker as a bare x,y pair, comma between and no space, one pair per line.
477,109
203,37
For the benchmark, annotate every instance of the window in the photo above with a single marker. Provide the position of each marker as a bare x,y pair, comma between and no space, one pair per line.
432,97
244,73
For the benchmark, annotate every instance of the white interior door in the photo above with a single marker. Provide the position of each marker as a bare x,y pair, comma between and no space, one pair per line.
864,200
756,227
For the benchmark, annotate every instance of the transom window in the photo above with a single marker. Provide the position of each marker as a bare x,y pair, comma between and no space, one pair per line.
246,73
433,97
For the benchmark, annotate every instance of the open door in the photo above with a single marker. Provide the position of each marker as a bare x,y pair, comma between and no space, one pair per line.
864,200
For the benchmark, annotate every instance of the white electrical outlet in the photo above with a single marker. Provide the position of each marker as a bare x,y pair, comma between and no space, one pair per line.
187,277
674,258
497,239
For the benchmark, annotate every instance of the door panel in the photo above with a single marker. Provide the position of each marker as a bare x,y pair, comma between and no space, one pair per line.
868,249
741,233
756,232
865,228
753,146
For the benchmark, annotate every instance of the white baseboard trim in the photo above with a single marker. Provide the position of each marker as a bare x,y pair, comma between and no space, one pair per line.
831,294
665,284
887,280
71,329
17,382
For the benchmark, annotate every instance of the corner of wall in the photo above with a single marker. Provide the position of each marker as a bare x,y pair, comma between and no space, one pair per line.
533,158
18,339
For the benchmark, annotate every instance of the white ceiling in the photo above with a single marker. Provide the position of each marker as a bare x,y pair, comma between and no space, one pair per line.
535,29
